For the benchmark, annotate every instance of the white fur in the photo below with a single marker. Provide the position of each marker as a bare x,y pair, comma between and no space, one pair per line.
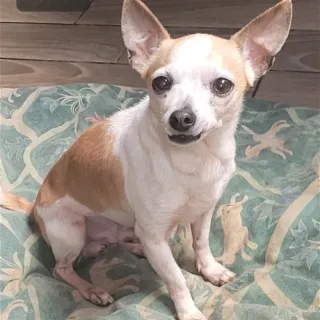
194,50
154,168
167,184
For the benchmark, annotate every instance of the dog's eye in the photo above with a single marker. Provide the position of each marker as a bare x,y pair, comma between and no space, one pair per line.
161,84
222,86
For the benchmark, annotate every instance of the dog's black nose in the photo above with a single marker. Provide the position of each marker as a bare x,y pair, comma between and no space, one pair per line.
182,120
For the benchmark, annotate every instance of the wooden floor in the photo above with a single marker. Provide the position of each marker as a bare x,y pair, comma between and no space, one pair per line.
50,48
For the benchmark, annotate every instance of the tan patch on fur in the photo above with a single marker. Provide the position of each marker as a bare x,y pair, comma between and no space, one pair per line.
161,57
232,61
88,172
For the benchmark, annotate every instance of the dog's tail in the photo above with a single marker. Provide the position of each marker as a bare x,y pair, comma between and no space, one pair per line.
14,202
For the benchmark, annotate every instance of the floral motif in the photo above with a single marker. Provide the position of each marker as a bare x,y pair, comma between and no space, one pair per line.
9,94
61,145
74,99
13,274
15,149
309,248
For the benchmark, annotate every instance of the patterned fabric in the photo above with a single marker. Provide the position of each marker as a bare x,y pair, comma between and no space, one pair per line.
266,226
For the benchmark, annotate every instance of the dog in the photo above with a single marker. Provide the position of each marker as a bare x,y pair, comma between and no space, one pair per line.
131,178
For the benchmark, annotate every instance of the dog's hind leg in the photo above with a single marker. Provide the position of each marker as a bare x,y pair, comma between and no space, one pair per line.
66,233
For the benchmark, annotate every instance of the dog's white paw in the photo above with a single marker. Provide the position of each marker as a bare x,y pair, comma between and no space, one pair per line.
216,273
97,296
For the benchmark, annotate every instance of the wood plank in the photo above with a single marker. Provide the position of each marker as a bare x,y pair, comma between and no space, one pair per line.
294,88
26,73
10,13
60,42
53,5
205,13
301,52
104,44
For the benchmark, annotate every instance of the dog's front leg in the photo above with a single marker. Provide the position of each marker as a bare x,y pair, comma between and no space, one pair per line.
158,253
206,263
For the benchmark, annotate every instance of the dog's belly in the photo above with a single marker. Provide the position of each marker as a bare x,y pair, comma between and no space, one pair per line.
106,231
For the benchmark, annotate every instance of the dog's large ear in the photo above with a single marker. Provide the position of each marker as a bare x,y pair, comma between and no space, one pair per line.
263,38
142,33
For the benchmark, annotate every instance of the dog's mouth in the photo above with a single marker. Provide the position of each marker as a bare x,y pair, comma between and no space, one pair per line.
184,138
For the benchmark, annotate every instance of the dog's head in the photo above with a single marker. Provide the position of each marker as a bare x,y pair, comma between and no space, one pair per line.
196,83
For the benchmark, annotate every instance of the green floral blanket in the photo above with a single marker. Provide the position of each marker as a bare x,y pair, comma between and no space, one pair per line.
274,194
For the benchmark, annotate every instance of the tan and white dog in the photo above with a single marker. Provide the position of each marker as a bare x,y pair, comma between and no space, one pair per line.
131,178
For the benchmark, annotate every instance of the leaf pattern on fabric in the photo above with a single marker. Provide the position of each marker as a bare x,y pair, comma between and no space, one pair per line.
13,275
266,226
310,247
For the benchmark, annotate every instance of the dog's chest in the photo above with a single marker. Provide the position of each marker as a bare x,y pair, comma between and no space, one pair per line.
198,202
202,188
